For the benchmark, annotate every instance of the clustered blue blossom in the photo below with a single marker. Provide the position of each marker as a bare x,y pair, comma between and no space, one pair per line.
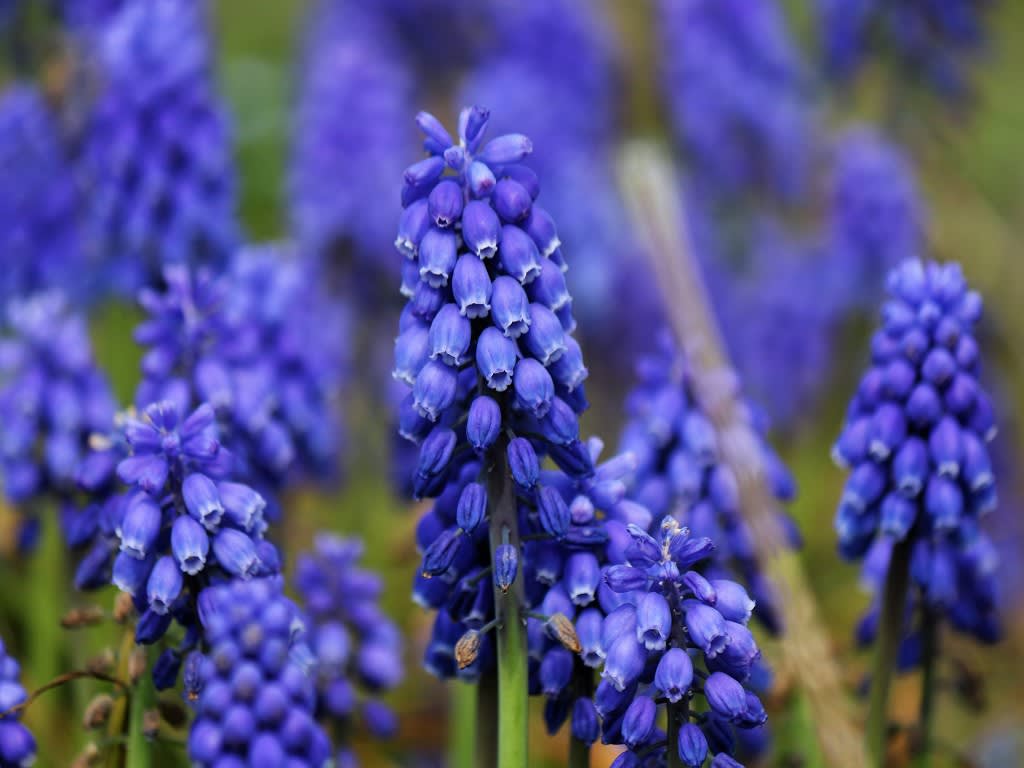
564,52
52,398
156,162
358,649
676,639
351,133
485,346
679,472
933,42
737,95
39,232
915,443
240,341
875,217
780,342
183,523
563,580
253,688
17,745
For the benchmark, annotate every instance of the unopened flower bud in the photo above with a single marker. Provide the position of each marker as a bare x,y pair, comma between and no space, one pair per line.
98,711
467,649
564,631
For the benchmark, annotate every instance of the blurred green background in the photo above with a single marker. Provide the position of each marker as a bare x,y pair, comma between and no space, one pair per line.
972,173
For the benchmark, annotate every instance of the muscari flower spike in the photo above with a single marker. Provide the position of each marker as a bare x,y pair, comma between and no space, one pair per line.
358,649
675,640
564,52
17,745
915,444
876,217
240,342
156,163
679,471
183,523
39,228
737,94
933,43
485,346
253,686
351,130
52,398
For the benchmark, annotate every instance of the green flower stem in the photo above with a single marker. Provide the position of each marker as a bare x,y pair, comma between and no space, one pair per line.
513,704
116,752
890,630
486,720
579,753
462,724
46,593
143,695
929,659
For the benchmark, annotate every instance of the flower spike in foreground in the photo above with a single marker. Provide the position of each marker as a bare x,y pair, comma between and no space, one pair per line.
679,640
253,689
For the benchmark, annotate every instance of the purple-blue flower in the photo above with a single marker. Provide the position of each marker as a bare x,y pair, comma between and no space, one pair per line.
17,745
916,444
667,640
254,690
737,95
39,226
679,472
351,133
933,43
52,399
156,165
358,649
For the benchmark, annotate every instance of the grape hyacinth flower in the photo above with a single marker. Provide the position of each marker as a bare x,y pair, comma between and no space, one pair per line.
932,43
185,521
52,398
240,341
156,161
564,52
351,134
253,689
920,477
358,649
17,745
779,330
736,91
39,232
496,384
678,640
876,216
563,581
679,472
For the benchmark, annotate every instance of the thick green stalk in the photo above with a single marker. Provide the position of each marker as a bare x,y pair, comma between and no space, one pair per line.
890,631
486,720
462,724
513,703
929,660
139,751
